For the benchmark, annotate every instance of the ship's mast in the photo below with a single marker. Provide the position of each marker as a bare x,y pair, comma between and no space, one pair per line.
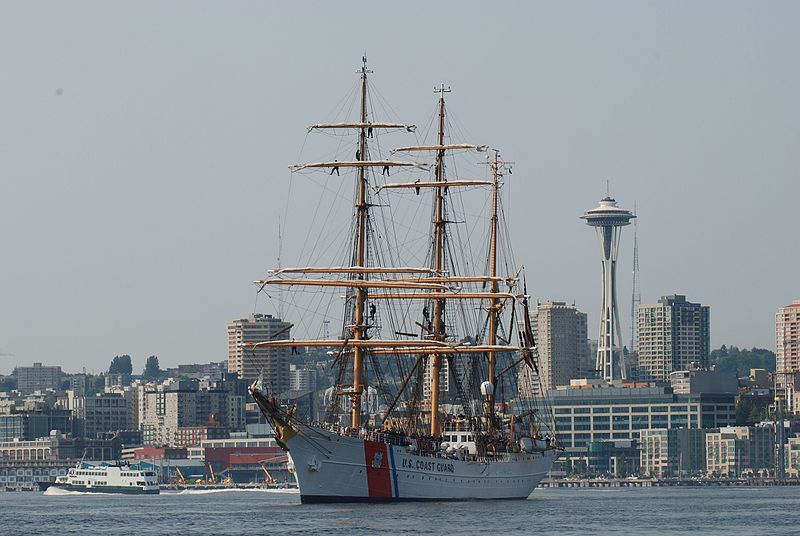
361,278
494,303
438,266
359,323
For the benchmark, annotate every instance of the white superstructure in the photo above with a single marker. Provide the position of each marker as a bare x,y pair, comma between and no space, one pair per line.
128,479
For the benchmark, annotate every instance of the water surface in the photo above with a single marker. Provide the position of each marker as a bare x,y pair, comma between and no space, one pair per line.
565,512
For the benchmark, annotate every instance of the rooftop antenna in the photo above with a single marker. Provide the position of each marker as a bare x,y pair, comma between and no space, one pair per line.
636,296
279,307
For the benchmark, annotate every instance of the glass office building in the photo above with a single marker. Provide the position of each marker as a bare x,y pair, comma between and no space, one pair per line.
585,415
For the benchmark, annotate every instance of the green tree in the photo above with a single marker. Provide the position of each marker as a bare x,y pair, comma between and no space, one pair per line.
748,413
756,415
8,383
121,364
731,358
152,370
743,409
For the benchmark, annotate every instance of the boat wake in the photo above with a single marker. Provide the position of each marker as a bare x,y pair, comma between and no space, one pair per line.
228,490
56,492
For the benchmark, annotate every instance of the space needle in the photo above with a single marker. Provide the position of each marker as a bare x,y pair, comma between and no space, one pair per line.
609,219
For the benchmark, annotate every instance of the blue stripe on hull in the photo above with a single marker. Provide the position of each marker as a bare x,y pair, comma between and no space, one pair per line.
394,472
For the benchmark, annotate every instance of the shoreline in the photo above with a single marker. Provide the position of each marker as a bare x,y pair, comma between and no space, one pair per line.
657,483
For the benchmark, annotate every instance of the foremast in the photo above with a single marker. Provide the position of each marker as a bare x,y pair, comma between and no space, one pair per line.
358,274
360,254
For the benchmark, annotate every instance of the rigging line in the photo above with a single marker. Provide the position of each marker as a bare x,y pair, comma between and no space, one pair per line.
401,389
383,101
333,239
380,379
311,226
351,98
301,432
289,189
295,306
506,235
255,301
339,106
331,207
458,127
426,133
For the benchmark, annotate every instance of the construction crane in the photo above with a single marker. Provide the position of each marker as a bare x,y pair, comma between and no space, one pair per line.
182,478
269,480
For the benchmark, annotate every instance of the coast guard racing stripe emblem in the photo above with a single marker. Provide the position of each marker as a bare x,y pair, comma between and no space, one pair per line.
377,462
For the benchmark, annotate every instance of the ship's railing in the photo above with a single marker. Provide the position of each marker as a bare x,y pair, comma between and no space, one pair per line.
429,447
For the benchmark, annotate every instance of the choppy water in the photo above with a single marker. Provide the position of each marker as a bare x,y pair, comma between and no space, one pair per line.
565,512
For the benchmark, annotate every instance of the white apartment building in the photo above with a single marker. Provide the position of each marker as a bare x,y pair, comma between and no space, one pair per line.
248,363
560,334
166,409
37,378
672,335
787,338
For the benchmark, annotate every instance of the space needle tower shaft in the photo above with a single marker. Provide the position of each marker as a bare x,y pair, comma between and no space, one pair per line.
608,219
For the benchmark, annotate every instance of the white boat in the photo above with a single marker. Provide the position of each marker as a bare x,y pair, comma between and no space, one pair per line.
436,323
116,478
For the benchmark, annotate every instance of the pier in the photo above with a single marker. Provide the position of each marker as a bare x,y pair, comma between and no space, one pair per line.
656,483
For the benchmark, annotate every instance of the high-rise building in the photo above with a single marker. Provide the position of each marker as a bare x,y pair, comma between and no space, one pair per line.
104,412
168,410
609,219
672,452
302,378
588,413
673,335
37,377
733,450
24,426
248,363
787,338
787,356
560,334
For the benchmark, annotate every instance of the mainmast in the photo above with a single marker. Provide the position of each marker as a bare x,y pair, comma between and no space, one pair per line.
494,303
360,254
438,331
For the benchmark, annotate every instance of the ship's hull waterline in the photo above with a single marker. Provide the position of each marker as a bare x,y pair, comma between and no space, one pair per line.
334,468
124,490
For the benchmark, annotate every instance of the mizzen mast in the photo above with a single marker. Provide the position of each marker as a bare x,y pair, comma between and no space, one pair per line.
495,305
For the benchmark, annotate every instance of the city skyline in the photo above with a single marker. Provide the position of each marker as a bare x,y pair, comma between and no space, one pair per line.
143,176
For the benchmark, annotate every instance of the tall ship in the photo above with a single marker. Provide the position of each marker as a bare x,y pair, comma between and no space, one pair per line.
437,393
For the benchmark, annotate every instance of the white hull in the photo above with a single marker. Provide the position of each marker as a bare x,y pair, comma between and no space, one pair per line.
334,468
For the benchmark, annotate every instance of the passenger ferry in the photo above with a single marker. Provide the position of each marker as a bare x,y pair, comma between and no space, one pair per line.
108,479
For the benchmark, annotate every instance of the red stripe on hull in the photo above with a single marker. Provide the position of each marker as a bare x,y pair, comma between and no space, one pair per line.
376,458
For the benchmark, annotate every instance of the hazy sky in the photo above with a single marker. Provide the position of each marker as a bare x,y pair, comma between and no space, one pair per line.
143,152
